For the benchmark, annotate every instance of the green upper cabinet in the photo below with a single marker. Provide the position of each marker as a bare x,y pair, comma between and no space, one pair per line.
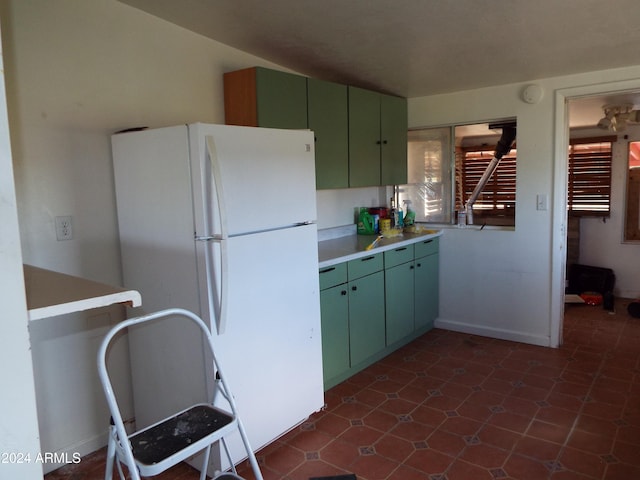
260,97
328,118
364,137
377,138
361,135
393,131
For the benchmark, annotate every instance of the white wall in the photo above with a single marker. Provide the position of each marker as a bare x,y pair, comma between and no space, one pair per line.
18,421
508,283
338,207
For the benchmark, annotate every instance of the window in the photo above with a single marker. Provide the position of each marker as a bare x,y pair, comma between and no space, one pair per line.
589,176
445,165
632,198
429,175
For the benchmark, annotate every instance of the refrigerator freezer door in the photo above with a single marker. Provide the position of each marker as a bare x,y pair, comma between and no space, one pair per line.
271,350
267,177
154,200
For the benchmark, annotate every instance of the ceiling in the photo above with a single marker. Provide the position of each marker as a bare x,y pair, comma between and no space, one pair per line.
413,48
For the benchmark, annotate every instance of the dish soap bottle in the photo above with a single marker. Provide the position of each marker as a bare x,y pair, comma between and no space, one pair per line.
409,215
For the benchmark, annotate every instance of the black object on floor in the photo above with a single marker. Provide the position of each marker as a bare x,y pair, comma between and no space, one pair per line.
348,476
585,278
634,309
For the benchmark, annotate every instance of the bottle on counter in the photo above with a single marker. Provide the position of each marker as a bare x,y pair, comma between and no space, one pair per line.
409,215
399,217
392,212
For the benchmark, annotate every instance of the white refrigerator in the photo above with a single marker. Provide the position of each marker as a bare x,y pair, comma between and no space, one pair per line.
220,220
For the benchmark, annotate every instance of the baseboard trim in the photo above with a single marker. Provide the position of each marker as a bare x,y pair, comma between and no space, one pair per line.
491,332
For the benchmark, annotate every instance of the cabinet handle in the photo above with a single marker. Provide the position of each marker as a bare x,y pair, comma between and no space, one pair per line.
427,241
400,249
366,259
411,267
419,265
343,292
331,269
384,142
354,288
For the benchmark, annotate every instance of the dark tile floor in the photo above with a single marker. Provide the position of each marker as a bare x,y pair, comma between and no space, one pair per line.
451,406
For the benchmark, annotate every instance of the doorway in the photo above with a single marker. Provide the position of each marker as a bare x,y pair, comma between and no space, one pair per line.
580,107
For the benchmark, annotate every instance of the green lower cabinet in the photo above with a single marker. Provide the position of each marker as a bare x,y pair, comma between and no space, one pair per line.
373,305
426,291
334,306
399,302
366,317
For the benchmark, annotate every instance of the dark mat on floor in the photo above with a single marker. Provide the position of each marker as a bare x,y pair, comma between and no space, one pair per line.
349,476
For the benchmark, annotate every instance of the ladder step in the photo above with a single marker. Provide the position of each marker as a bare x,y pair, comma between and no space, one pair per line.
166,438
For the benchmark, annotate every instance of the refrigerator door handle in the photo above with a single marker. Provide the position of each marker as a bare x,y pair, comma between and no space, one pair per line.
221,318
216,181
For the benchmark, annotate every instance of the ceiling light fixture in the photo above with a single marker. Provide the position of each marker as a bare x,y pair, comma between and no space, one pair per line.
616,117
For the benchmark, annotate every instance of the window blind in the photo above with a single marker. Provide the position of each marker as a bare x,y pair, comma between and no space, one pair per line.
498,197
589,176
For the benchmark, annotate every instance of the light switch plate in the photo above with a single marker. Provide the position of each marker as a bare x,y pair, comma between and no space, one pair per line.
541,201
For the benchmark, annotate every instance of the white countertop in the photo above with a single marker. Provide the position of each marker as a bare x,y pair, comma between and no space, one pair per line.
351,247
52,293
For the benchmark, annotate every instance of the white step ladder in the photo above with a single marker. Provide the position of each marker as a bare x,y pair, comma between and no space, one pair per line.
156,448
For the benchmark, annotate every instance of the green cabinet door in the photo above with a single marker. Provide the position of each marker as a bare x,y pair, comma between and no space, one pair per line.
426,291
364,137
366,317
393,134
329,120
377,138
281,99
334,307
399,301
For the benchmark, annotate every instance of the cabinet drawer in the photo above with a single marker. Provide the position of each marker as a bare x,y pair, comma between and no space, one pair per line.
427,247
398,255
334,275
364,266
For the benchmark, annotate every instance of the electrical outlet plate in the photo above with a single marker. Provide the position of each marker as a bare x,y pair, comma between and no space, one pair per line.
64,229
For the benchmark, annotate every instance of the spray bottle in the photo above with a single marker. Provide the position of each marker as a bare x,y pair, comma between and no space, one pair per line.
399,217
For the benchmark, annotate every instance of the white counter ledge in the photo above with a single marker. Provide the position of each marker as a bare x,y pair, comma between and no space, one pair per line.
52,293
352,246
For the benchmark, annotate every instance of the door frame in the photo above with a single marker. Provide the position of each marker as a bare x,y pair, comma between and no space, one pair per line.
560,187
